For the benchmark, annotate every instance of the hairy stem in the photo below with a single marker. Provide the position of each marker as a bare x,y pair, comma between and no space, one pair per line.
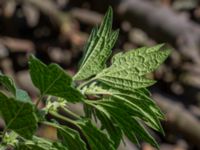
55,114
86,83
75,116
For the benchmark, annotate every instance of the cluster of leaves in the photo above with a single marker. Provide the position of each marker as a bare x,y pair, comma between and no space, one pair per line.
116,96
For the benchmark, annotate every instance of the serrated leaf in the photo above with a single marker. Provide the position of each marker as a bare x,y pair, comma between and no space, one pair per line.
128,69
71,139
97,139
8,83
98,48
53,80
19,116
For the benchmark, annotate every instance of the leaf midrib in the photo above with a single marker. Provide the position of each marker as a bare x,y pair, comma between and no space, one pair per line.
11,121
47,89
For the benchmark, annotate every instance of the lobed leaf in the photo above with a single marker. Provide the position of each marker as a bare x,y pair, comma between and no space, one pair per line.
53,80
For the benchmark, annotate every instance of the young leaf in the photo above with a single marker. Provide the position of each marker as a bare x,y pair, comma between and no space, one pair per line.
98,48
127,70
53,80
19,116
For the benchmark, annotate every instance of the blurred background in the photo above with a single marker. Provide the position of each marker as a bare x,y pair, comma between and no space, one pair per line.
56,31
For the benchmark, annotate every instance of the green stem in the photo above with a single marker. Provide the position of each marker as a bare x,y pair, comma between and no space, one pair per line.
86,83
50,124
38,101
63,118
71,113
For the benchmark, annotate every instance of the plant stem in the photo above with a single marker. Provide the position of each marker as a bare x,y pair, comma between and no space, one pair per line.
85,83
50,124
63,118
71,113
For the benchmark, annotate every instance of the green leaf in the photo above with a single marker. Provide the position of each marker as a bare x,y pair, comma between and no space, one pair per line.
97,139
71,138
128,69
135,104
19,116
8,83
98,48
53,80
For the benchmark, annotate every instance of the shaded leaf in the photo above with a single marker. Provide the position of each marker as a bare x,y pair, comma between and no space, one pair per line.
19,116
97,139
113,130
70,138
